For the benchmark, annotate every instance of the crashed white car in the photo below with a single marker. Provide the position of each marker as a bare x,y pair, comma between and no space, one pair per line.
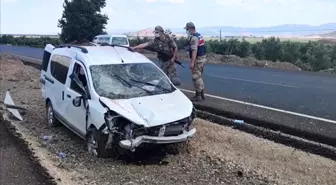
113,98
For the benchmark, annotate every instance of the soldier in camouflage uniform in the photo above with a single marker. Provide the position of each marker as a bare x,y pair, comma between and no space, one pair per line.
197,60
166,48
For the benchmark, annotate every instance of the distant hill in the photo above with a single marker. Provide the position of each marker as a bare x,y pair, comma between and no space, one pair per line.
281,30
329,35
120,31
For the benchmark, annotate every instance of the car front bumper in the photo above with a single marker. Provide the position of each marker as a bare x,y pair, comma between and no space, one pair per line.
133,143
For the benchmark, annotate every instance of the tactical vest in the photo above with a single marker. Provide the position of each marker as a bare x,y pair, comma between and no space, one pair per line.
201,45
162,47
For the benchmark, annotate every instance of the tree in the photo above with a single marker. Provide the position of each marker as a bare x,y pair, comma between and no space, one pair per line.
7,39
82,20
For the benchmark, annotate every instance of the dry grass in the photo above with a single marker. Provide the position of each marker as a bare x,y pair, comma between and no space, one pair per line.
235,60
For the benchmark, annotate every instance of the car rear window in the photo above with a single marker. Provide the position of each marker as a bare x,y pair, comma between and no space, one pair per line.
120,40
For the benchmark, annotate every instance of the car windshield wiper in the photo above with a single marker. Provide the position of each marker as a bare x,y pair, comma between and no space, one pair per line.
129,84
155,85
122,80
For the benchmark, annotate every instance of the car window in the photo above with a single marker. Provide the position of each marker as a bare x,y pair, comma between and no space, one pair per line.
106,40
119,81
45,60
100,40
119,40
80,72
59,67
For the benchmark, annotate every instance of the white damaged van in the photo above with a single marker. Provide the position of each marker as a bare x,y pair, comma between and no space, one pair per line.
113,97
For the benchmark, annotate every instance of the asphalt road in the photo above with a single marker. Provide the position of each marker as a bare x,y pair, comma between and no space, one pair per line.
303,92
16,168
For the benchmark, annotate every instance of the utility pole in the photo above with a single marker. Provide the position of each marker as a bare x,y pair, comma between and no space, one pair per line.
220,35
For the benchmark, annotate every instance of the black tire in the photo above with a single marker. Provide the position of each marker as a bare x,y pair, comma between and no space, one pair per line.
95,143
50,114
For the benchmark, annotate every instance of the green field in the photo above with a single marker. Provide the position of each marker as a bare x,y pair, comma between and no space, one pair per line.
258,39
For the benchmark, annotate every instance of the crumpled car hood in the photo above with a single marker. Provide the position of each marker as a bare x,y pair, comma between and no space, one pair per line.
152,110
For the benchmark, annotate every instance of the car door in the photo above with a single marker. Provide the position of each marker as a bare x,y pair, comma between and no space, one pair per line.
76,115
44,68
100,40
59,68
95,40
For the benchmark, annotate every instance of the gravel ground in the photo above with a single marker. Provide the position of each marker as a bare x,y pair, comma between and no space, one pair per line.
217,155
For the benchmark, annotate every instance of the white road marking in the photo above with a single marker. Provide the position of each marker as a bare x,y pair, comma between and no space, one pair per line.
246,103
268,108
253,81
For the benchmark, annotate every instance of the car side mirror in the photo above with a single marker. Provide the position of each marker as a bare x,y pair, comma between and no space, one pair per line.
77,101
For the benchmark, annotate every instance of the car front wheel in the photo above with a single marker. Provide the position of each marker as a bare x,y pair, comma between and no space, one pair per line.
95,143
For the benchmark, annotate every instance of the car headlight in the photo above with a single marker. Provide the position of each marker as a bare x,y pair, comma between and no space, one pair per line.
193,114
191,118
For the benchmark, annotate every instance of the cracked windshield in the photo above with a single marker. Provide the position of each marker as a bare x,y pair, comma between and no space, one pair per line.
117,81
169,92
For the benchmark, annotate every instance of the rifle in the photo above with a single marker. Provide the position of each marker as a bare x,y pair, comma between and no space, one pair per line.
179,63
165,56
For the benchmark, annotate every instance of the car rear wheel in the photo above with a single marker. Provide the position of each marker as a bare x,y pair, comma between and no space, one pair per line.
51,119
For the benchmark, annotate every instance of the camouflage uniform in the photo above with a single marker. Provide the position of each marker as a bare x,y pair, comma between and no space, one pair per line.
165,44
196,42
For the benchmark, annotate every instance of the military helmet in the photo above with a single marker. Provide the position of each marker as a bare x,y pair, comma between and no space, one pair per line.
158,29
189,25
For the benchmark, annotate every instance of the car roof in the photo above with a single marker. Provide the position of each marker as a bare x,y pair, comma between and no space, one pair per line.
101,55
119,36
113,35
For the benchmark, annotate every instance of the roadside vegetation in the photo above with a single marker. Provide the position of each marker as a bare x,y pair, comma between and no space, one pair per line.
271,52
255,39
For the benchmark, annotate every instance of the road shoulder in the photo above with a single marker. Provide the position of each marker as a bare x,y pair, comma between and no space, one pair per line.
307,128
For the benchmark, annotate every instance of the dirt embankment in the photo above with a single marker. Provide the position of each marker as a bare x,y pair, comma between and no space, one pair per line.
217,155
17,167
235,60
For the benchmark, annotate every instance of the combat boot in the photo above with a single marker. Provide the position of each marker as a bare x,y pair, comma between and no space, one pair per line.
202,94
197,97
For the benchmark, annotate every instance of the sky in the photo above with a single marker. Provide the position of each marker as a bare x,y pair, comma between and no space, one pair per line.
40,16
